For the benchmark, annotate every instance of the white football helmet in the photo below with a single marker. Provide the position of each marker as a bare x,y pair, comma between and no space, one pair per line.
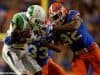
36,14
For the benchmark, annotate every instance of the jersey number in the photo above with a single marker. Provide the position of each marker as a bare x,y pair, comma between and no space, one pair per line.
43,50
74,36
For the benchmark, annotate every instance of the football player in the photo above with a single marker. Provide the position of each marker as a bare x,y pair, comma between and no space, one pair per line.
40,48
69,29
14,50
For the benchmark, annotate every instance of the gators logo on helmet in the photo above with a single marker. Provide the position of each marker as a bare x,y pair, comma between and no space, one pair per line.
56,8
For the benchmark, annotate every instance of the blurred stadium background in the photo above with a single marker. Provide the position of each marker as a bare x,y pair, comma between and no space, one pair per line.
89,9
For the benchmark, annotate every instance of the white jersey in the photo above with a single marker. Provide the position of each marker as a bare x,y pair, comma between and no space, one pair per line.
21,22
15,54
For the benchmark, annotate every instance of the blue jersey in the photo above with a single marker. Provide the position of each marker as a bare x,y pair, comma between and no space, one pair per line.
77,39
40,52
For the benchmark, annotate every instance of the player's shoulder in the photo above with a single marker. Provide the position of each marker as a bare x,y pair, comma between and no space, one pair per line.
18,15
18,19
71,15
73,12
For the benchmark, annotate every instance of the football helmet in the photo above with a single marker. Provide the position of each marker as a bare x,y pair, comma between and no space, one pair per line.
36,15
57,11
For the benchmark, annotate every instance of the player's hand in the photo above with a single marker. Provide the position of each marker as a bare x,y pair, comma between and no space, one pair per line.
57,26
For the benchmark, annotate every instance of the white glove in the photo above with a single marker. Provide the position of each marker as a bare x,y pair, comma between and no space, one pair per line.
50,27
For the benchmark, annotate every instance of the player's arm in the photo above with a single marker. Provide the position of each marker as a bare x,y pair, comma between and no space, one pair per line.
74,24
54,47
58,47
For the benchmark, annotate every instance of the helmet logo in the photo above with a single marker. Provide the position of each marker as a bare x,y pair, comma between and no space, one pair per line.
31,10
58,8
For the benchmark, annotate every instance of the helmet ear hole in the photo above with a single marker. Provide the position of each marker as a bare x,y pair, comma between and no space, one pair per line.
37,21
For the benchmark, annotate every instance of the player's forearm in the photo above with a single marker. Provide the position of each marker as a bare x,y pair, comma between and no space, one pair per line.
64,27
68,26
54,47
15,38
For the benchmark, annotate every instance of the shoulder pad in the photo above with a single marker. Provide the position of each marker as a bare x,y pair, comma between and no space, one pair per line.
18,20
70,15
73,12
